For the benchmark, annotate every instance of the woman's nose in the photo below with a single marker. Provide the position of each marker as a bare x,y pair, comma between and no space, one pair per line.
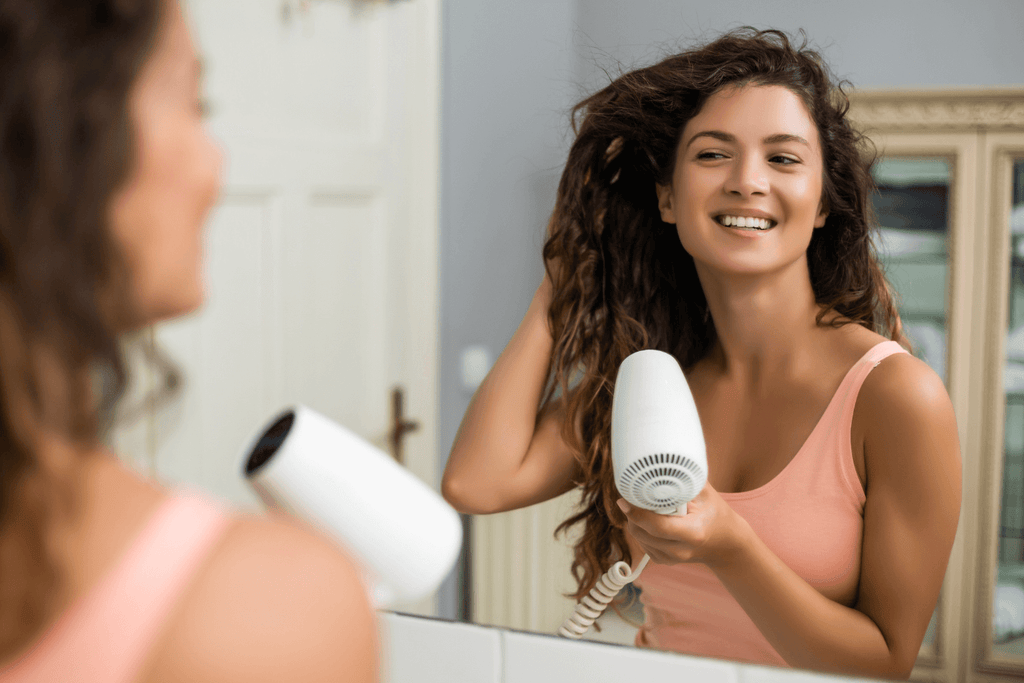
748,178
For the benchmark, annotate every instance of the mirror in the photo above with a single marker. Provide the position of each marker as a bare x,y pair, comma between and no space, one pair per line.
1008,603
503,85
927,186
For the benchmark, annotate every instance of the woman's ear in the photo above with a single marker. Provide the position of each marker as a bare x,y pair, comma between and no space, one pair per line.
668,213
819,221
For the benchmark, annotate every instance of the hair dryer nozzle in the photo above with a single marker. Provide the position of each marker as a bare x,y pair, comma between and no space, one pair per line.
658,452
402,532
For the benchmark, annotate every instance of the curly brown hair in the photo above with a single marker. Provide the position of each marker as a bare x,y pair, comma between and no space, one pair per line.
623,281
66,144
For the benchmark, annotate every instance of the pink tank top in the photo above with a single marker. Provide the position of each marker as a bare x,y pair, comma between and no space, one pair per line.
811,515
108,634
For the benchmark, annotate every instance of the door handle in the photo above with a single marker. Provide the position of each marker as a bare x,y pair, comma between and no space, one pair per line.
400,426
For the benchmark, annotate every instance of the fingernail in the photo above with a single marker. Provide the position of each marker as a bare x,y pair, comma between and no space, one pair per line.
623,505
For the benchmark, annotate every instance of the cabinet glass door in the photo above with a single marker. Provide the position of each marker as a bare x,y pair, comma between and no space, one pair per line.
912,208
1008,596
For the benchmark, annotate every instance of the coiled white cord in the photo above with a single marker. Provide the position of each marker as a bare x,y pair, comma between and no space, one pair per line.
596,602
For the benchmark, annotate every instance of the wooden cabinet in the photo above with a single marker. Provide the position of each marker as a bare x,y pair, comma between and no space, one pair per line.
951,204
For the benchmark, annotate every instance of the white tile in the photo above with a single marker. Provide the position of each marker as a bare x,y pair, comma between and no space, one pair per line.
533,658
614,629
423,650
768,674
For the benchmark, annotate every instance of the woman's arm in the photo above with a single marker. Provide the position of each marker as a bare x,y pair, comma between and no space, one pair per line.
505,455
912,459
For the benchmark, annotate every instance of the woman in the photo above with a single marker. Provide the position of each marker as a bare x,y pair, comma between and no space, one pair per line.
107,177
716,206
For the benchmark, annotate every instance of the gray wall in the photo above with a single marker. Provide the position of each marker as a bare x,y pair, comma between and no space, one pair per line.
512,69
874,43
507,82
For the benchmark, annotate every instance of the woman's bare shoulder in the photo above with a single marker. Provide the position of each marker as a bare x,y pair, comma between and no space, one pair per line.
909,394
907,427
852,340
275,601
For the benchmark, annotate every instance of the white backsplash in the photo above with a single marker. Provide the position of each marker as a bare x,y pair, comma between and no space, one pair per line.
423,650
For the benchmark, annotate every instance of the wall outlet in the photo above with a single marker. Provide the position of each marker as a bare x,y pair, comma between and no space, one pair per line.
476,363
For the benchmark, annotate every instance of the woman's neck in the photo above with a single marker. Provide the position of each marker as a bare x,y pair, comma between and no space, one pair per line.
764,324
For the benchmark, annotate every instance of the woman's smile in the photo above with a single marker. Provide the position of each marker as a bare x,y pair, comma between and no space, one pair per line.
747,221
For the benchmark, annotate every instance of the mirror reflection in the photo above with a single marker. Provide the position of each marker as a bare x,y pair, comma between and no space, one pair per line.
514,561
698,223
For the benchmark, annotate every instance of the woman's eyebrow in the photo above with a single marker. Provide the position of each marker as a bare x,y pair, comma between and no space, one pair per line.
716,134
784,137
728,137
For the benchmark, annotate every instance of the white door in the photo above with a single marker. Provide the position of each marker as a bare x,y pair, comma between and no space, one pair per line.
321,259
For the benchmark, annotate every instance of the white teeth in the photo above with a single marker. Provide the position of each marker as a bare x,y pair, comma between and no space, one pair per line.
745,222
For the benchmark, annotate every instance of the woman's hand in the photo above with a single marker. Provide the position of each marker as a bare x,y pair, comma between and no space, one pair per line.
710,532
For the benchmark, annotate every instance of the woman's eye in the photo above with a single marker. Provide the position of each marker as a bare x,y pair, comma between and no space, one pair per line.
710,155
784,160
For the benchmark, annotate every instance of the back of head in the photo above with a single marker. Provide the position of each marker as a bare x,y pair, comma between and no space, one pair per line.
622,280
66,141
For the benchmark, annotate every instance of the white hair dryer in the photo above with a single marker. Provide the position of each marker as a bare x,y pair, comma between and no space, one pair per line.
405,535
658,453
659,459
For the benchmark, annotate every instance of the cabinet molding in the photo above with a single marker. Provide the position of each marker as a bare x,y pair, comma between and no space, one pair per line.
891,110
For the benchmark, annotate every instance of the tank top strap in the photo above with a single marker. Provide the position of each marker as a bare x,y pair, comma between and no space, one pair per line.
858,373
109,634
839,434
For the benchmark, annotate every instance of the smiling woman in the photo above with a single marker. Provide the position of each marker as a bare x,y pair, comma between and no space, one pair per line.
716,206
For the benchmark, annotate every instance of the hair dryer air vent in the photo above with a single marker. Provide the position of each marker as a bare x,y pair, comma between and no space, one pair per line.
663,481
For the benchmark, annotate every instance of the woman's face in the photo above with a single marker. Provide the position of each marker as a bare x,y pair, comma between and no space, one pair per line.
157,216
749,160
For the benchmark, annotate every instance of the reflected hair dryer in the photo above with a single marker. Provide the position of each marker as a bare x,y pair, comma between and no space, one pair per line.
659,460
658,452
404,536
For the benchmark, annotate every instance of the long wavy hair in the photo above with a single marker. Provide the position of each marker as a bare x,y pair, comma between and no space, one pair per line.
622,281
66,145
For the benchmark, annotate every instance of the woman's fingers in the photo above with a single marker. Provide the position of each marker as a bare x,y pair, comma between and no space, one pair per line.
660,550
701,535
664,527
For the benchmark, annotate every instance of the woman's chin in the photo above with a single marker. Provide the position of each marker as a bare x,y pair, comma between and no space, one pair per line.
188,308
171,310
